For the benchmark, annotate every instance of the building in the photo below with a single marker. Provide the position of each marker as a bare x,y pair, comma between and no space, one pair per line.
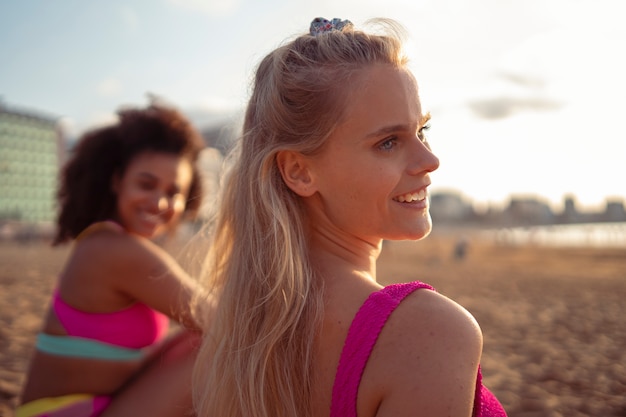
614,211
450,207
527,211
31,151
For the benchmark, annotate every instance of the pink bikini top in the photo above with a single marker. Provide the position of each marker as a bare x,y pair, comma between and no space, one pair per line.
134,327
362,337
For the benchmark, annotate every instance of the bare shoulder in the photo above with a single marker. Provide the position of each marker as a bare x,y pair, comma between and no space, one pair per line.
431,316
112,248
121,268
426,359
115,262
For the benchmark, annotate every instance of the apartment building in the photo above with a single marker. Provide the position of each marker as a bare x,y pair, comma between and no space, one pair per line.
31,152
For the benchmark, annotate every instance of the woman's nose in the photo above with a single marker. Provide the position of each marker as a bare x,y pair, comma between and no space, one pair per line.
422,159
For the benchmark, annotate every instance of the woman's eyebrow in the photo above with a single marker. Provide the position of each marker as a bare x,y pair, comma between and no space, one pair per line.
385,130
399,127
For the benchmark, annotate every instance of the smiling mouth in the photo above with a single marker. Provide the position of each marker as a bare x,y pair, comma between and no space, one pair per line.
152,218
411,197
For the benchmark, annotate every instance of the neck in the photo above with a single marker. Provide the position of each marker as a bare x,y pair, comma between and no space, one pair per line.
337,255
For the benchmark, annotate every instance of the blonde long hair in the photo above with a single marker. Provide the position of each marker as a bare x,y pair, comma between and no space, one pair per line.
256,355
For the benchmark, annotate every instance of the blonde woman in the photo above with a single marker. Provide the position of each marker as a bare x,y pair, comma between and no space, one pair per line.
333,159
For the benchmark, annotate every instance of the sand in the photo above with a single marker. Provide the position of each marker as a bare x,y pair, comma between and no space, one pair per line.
552,319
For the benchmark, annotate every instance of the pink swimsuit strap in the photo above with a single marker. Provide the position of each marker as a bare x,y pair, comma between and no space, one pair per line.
362,335
134,327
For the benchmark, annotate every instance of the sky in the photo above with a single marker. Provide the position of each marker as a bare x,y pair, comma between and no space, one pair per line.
526,96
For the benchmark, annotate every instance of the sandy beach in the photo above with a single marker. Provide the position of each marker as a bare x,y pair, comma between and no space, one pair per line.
552,318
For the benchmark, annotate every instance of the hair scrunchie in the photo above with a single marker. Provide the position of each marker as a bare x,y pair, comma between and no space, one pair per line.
320,25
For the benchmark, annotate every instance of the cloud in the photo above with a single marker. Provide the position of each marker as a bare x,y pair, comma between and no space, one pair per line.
110,87
510,92
523,80
211,8
500,107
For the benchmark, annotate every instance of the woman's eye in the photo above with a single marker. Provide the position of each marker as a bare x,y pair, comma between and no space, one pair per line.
387,144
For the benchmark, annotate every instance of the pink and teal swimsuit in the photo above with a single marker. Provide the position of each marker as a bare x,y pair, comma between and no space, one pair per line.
123,335
120,335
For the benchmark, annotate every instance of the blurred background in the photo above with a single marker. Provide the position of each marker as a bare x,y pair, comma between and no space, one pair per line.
527,103
526,96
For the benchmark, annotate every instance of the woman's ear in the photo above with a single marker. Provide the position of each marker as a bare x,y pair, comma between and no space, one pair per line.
294,168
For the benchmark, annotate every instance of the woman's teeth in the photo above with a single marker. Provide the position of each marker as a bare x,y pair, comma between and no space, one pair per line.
410,197
150,217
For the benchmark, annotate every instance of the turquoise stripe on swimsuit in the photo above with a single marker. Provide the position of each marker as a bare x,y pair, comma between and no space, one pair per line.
84,348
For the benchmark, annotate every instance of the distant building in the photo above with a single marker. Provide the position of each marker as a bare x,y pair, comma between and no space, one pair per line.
570,213
31,150
449,207
528,211
614,211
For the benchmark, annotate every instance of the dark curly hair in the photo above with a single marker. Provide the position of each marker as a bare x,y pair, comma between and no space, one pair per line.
85,195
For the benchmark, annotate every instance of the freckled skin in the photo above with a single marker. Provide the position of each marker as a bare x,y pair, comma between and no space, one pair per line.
376,155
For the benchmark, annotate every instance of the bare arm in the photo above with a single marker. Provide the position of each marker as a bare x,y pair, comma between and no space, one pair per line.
122,268
157,280
425,362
